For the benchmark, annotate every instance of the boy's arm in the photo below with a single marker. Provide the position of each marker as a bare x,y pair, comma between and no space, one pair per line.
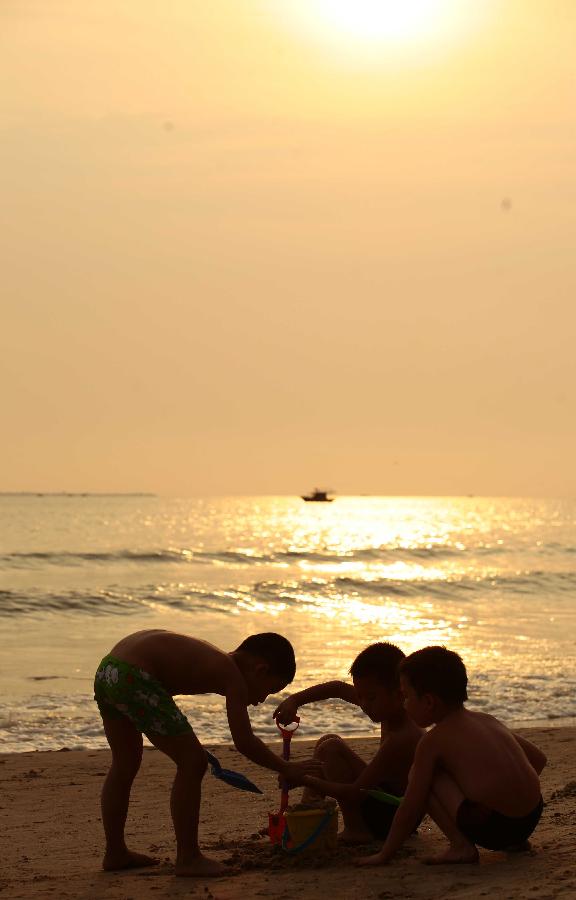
252,747
288,709
246,741
413,805
390,757
535,757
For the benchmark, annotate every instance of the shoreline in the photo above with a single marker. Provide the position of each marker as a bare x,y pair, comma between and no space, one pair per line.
49,808
565,722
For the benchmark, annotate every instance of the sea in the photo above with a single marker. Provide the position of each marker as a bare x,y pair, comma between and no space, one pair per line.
493,579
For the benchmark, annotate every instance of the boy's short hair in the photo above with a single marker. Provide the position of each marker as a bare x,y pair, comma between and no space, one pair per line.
436,670
378,661
276,651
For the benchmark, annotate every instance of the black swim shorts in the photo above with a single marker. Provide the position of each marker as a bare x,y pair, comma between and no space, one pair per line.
493,831
377,814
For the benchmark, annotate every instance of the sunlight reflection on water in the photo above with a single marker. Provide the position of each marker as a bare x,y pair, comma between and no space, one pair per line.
492,579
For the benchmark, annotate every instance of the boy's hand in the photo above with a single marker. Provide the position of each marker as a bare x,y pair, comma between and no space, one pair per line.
286,712
295,773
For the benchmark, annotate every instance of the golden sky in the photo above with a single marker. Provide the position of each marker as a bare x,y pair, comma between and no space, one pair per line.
246,250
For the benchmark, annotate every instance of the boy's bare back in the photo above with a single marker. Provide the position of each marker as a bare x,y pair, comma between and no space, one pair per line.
182,664
486,761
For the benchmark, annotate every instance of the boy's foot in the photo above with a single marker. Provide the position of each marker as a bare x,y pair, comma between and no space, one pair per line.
524,847
349,836
374,860
464,854
202,866
113,862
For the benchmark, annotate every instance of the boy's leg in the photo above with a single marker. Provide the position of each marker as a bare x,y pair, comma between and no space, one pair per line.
443,804
341,763
126,745
186,751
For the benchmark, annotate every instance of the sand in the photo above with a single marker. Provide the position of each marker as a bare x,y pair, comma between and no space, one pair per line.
51,837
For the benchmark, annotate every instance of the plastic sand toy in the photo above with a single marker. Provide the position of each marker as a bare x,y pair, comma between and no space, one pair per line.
277,821
235,779
297,828
313,828
382,796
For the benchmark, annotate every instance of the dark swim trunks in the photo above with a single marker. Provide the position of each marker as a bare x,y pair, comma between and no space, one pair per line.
377,814
121,689
493,831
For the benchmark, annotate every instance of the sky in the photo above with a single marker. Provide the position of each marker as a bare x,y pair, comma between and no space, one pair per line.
249,248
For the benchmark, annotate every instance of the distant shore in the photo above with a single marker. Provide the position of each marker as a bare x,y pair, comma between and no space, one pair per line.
49,808
76,494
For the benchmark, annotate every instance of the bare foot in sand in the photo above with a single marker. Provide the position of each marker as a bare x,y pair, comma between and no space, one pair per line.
349,836
113,862
377,859
461,853
524,847
202,866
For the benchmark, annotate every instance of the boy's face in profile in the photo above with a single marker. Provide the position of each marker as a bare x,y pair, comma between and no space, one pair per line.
261,683
377,700
419,708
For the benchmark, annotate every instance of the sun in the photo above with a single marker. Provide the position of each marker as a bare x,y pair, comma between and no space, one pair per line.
372,20
364,24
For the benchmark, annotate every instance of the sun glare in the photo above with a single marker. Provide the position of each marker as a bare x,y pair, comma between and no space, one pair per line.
360,25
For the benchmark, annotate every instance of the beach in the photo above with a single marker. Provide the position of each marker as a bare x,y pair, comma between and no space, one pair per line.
52,836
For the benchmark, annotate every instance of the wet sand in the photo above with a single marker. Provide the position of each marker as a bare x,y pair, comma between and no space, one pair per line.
52,837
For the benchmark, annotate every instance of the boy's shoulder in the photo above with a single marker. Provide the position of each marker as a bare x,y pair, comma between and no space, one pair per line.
473,719
469,725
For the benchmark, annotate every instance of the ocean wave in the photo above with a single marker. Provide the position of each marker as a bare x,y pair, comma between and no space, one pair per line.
66,558
117,602
299,592
461,588
387,554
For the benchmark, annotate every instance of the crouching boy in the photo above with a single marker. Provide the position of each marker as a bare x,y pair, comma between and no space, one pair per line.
475,778
346,775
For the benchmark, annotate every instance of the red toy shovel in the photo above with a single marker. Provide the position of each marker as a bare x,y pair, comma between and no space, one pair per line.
277,821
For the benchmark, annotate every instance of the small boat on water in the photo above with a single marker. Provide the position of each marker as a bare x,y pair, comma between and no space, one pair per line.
317,496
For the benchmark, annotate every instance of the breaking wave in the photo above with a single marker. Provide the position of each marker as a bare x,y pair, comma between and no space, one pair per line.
295,592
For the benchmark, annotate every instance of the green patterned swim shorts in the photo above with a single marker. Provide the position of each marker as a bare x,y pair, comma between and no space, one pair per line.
121,689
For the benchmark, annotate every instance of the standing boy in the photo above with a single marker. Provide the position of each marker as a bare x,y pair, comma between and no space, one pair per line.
134,687
376,691
477,780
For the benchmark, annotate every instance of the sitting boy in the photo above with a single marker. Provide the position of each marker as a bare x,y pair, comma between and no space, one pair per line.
477,780
134,687
376,691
